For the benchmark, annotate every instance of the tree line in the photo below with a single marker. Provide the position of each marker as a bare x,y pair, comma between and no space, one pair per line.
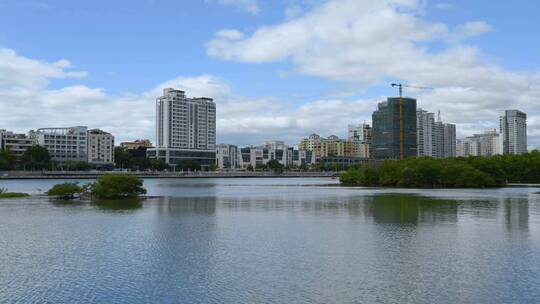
461,172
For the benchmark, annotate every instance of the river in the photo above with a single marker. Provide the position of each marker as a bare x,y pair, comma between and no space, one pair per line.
273,240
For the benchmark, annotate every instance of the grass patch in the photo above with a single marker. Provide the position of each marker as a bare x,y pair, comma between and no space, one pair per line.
14,195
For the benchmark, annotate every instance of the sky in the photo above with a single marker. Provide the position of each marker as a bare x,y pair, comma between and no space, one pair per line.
277,69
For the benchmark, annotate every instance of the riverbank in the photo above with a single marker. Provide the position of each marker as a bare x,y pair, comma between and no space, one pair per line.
94,174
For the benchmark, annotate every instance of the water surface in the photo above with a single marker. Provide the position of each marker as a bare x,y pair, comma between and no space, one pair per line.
272,241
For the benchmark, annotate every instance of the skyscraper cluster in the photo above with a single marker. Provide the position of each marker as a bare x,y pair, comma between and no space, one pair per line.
186,130
434,138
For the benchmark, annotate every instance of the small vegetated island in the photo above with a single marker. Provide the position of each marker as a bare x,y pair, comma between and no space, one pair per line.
5,194
461,172
111,186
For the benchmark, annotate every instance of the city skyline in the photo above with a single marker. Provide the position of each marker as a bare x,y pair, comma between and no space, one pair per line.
111,80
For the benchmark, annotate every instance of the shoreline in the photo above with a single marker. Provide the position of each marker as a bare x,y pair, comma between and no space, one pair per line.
20,175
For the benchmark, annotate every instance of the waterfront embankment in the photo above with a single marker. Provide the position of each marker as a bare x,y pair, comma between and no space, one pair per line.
152,174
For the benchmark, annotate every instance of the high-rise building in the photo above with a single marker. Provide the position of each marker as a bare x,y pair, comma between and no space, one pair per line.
425,125
63,144
15,144
483,144
449,140
359,132
513,127
435,138
185,128
388,122
100,147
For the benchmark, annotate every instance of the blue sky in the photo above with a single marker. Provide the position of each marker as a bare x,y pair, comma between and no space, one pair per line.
277,69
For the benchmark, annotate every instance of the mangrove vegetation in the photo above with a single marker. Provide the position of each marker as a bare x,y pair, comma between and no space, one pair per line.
461,172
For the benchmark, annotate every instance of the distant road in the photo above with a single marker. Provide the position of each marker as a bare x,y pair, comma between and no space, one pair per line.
142,174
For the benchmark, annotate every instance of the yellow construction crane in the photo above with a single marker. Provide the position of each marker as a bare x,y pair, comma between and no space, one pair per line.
401,127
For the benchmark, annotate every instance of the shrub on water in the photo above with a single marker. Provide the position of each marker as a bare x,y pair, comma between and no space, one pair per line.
117,186
65,190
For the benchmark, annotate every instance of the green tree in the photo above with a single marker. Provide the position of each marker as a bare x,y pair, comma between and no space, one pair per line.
7,161
71,165
274,165
188,165
65,190
36,158
122,157
212,167
113,186
158,165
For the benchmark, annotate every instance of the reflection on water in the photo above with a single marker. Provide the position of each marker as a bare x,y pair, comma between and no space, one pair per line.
516,211
411,209
264,241
124,204
186,205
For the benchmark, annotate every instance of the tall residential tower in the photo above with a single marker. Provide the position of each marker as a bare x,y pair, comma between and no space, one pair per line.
513,127
185,128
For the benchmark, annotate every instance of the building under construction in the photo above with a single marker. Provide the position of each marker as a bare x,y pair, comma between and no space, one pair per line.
394,129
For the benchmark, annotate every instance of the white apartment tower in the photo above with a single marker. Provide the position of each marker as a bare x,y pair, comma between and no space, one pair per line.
185,128
425,126
434,138
513,127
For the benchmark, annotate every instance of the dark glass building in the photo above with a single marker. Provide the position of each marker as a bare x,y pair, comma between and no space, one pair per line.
386,129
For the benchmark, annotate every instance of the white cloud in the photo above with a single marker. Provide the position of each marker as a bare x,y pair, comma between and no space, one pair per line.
241,119
251,6
293,11
471,29
368,42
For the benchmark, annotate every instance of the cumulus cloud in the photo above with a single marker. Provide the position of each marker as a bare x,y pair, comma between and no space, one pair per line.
241,119
368,42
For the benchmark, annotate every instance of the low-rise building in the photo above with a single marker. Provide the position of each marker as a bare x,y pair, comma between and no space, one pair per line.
333,146
100,147
15,144
136,144
483,144
255,156
63,144
227,156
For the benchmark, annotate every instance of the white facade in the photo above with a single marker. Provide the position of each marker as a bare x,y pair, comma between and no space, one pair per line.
185,123
185,128
425,126
100,147
63,144
513,128
15,144
227,156
434,138
484,144
257,156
